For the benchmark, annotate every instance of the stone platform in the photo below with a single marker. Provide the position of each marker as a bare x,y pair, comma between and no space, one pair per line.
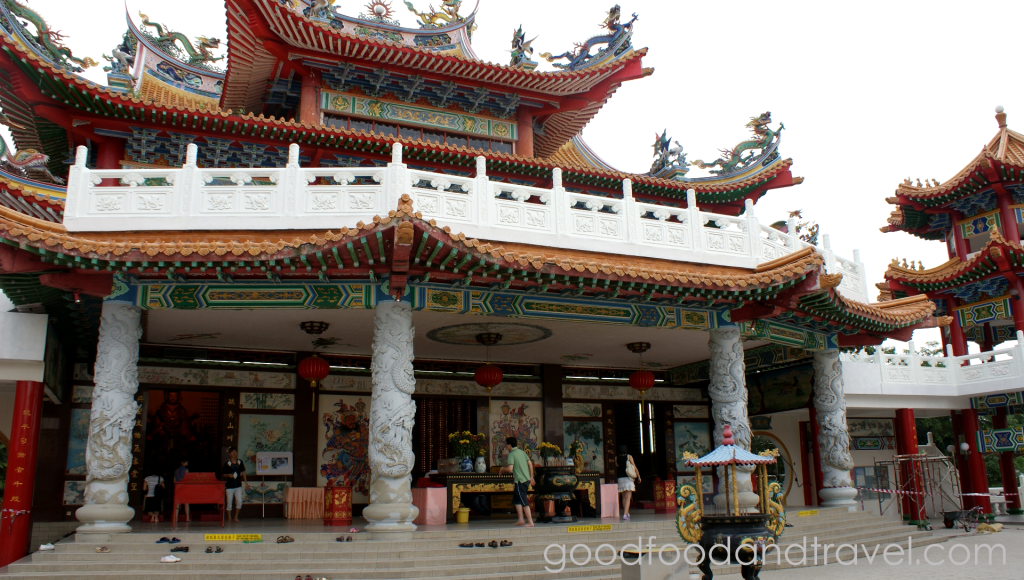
433,551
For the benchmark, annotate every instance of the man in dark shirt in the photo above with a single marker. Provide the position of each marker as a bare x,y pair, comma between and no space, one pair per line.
234,475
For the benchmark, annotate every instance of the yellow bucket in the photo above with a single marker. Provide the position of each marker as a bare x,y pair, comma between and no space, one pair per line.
462,517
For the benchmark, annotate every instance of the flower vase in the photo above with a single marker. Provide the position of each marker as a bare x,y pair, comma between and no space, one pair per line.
466,465
481,464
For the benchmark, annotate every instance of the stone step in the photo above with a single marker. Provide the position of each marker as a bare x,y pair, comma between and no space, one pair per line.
399,564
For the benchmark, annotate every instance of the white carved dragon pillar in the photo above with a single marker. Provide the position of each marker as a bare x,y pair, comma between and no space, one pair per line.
728,392
392,416
108,454
833,435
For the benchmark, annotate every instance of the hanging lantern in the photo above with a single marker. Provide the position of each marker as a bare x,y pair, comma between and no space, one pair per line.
642,380
488,376
314,369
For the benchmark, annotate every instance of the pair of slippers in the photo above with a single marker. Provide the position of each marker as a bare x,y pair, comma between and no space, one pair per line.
285,539
180,549
166,540
211,550
492,543
102,550
343,539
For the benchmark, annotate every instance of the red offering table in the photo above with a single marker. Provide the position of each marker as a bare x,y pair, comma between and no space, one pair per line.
198,488
337,506
664,497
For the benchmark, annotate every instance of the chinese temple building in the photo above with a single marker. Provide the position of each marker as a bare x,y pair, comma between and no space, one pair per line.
233,251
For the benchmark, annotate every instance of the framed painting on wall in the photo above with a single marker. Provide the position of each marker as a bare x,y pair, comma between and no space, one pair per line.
343,442
588,433
692,437
262,433
519,419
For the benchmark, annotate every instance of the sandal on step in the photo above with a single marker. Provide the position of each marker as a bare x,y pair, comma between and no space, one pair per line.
218,550
285,539
479,544
505,543
468,545
209,549
493,543
102,550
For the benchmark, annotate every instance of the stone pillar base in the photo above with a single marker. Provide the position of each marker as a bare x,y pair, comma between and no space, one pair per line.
839,497
104,519
390,520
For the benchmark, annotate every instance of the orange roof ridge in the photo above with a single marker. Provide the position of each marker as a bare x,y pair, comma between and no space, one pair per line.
785,259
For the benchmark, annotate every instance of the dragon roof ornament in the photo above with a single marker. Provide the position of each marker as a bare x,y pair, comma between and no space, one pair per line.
448,15
522,51
45,42
616,42
198,54
668,157
742,156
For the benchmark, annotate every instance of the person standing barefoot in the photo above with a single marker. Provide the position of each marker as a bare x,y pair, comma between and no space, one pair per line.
234,475
521,468
626,487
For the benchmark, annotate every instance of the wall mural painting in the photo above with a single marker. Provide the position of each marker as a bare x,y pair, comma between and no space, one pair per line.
81,395
690,412
692,437
870,427
343,444
216,378
77,439
588,433
74,492
581,410
786,389
519,419
182,425
258,433
265,491
274,401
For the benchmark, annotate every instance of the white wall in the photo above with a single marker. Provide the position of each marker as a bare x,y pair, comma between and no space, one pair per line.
22,346
786,427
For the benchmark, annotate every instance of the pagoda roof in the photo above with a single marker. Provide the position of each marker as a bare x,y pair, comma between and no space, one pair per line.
998,256
576,153
730,455
999,163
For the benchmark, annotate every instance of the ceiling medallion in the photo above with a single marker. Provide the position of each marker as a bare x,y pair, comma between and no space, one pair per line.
502,333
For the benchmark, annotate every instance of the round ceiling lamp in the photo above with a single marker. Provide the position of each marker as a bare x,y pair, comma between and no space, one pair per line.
641,380
489,375
314,327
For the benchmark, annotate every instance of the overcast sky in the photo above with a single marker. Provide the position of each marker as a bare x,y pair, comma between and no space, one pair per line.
870,92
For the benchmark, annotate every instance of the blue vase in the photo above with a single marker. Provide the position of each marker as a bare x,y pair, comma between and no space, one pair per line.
466,465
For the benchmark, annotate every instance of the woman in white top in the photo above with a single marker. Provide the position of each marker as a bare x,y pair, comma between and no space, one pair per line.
151,505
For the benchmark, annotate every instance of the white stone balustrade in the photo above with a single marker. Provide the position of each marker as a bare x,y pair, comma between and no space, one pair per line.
913,375
293,197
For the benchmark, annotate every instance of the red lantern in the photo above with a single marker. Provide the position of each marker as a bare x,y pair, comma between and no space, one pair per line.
314,369
488,376
642,380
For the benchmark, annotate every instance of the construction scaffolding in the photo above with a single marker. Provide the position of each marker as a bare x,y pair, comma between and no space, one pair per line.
932,480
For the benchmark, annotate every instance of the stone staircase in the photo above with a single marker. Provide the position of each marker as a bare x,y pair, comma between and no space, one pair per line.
429,554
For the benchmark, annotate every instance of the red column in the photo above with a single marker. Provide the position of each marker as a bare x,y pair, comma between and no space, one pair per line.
524,129
962,249
1007,216
15,519
956,334
906,444
309,99
1017,304
109,153
1007,470
975,462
